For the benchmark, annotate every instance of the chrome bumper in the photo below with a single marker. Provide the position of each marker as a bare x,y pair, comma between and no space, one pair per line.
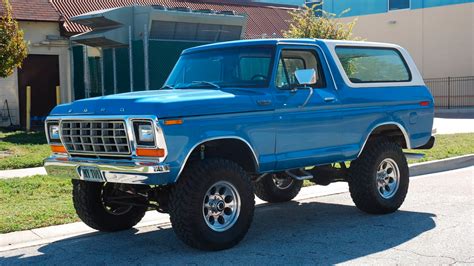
116,171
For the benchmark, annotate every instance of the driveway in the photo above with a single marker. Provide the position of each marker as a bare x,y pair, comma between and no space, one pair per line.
435,226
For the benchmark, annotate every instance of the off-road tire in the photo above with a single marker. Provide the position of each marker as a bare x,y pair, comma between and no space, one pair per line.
186,204
87,199
267,190
362,177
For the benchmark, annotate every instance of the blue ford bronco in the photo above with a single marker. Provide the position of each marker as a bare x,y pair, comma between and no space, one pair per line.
241,118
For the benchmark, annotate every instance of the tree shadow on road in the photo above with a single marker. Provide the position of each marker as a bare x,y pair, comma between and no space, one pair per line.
288,233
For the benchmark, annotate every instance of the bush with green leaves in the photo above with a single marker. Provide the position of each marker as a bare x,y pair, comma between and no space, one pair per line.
13,49
305,24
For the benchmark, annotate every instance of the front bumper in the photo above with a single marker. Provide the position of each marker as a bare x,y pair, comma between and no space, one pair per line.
128,171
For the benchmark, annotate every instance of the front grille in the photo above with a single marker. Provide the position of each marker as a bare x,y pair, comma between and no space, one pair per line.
95,137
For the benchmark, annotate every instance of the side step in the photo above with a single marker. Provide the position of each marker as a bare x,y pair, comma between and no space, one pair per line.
299,174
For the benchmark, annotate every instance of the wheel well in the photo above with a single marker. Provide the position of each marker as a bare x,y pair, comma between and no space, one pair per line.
235,150
391,131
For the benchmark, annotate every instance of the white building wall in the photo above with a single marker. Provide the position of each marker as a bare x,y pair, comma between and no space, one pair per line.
440,39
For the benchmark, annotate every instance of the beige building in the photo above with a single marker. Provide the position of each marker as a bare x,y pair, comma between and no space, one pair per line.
440,39
46,66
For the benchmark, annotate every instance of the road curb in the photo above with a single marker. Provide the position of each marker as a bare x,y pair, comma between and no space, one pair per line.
443,165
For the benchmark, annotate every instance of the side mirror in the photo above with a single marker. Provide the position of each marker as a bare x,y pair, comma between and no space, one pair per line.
306,76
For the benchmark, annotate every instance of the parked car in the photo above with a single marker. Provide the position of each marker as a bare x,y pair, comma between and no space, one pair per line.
241,118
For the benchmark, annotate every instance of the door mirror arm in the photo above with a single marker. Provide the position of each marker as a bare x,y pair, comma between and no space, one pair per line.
311,91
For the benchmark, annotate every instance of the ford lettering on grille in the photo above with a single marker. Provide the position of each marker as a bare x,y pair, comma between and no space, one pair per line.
95,137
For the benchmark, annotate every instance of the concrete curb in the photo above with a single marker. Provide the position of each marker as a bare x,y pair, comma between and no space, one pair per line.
443,165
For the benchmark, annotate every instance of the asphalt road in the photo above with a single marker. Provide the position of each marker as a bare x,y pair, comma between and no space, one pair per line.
434,226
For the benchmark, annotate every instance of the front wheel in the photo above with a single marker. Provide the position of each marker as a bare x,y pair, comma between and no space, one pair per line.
212,204
379,178
92,203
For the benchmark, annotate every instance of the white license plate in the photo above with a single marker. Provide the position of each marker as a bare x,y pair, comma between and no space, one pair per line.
91,173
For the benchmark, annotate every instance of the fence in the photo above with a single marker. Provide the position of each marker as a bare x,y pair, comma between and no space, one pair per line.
452,92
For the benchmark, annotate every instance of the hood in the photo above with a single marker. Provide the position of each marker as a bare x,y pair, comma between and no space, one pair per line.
169,103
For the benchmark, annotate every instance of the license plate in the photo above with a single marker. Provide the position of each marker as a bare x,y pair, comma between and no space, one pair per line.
91,173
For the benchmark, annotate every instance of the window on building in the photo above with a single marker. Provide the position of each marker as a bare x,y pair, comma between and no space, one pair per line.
368,64
398,4
292,60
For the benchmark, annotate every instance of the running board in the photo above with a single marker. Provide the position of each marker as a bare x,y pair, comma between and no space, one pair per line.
413,156
302,175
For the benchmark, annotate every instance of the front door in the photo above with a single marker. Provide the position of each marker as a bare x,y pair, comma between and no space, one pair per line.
305,134
41,73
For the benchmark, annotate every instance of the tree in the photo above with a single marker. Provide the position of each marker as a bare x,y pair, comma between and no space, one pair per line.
13,49
305,24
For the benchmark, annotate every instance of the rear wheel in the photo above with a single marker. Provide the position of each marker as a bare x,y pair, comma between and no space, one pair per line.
212,204
379,178
278,187
94,207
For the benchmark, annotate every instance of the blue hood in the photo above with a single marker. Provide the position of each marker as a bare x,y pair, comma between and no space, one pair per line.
168,103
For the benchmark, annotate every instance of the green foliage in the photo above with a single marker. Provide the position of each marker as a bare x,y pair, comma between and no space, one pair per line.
13,49
37,201
20,149
305,24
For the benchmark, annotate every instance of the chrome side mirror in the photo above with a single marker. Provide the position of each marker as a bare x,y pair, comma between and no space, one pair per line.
306,76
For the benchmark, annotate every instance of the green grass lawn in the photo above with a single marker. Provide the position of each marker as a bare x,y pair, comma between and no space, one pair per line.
43,200
34,202
447,146
22,150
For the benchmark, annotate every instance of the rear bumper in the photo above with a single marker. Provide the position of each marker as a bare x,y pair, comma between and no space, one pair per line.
115,171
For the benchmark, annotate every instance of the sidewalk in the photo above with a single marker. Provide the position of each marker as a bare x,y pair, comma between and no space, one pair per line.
5,174
453,125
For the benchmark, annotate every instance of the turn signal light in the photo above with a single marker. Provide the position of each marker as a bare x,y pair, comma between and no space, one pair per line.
58,149
173,122
150,152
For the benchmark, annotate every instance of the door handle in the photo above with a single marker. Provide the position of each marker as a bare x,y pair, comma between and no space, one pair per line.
264,102
329,99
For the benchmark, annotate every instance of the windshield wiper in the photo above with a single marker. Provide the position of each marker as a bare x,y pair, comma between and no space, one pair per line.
167,86
202,82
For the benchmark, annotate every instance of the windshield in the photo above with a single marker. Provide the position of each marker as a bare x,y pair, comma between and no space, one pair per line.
248,67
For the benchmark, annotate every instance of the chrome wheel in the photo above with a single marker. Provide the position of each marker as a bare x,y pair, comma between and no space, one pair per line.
282,182
388,178
221,206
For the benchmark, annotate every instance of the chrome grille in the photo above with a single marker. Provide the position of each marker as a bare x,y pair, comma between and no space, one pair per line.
95,137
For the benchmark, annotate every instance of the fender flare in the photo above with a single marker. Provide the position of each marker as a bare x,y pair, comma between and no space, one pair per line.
255,157
392,123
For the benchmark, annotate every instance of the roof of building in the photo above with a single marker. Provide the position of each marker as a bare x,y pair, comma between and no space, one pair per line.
263,19
33,10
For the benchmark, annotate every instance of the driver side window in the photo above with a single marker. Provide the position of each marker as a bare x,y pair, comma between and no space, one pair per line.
292,60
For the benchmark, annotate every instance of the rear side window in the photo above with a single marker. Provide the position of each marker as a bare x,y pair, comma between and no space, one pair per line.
369,65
